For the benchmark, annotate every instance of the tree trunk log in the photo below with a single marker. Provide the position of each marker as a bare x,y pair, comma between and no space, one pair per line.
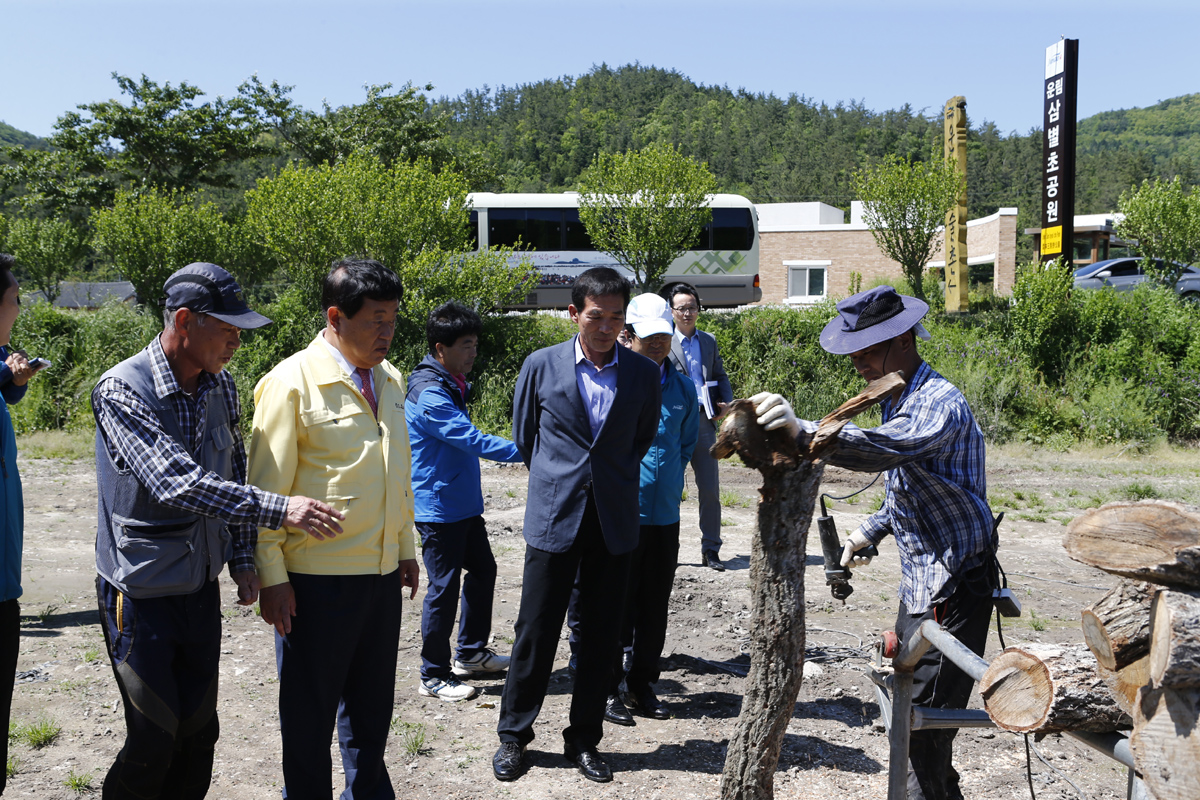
791,481
1126,682
1147,541
1166,742
1048,688
1117,626
1175,641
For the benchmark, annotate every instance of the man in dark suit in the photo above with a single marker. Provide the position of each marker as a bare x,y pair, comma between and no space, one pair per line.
694,353
584,414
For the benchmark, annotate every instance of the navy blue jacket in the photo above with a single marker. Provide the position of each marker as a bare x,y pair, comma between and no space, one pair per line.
551,429
446,446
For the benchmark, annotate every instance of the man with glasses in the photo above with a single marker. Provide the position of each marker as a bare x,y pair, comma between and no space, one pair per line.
330,419
694,353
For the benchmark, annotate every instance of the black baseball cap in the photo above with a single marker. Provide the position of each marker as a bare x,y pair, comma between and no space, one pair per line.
209,289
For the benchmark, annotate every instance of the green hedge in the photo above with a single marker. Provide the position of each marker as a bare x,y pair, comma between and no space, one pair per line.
1057,368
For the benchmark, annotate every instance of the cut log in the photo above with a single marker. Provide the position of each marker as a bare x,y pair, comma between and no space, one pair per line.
1047,688
1166,742
1117,626
791,482
1175,641
1126,682
1150,541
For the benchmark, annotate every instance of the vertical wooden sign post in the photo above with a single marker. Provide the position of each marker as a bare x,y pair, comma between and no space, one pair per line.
1058,151
957,278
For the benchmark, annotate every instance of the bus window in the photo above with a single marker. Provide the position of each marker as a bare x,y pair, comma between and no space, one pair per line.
473,230
732,229
576,235
537,228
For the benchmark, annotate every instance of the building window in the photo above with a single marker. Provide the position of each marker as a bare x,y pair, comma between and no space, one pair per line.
807,281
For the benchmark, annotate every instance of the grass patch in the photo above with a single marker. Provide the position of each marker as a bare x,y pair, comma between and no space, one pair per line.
726,522
1036,622
46,613
79,782
412,736
69,446
38,734
1140,490
12,767
732,499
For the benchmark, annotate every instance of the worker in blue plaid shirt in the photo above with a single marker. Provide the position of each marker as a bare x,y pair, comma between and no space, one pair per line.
935,504
174,507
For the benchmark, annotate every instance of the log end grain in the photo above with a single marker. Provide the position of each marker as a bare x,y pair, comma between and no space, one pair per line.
1017,691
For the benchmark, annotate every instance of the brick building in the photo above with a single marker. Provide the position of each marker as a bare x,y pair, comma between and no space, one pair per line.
807,251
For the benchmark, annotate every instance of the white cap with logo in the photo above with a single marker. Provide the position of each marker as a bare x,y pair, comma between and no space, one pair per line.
649,314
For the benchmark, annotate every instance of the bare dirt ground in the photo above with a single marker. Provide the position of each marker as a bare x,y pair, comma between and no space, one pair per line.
836,746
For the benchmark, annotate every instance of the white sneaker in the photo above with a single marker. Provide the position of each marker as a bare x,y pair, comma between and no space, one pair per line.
483,661
449,690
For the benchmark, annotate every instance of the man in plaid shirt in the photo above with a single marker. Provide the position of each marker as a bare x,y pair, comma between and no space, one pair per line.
935,504
173,508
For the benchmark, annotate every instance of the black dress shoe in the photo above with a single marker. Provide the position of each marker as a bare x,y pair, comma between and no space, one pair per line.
590,764
616,712
509,762
712,560
644,701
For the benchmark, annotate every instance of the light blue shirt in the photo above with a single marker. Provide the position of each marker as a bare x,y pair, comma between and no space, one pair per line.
597,386
691,354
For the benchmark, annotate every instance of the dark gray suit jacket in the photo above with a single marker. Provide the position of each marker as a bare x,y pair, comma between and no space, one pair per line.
710,363
550,428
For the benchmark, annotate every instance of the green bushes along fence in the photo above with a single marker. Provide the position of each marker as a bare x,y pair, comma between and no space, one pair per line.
1055,368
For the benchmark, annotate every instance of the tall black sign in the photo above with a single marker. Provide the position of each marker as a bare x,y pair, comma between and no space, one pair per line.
1058,150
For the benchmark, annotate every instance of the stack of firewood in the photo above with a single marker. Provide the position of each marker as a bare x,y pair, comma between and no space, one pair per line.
1141,666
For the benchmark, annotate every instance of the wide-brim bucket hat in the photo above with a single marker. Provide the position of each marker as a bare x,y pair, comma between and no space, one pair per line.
870,317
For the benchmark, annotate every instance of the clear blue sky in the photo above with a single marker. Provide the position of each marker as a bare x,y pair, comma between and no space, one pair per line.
56,54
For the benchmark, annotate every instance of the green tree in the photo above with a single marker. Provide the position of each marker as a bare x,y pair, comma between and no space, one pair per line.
393,127
645,208
407,215
905,205
47,251
148,235
1164,218
162,138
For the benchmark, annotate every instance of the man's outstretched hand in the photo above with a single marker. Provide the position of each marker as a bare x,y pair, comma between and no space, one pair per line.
319,520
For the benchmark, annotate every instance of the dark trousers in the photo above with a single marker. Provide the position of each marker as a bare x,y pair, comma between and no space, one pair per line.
10,644
339,665
939,683
545,592
164,652
708,485
647,596
447,548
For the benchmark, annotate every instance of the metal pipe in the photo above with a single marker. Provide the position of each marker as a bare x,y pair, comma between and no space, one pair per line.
953,649
901,724
1113,745
912,650
924,719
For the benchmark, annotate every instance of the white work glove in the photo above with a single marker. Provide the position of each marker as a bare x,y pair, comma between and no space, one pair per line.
774,411
855,542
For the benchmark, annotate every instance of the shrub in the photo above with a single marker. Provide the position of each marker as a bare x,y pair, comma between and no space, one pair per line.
1044,319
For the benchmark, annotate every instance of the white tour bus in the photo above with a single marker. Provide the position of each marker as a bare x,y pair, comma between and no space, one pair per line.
723,266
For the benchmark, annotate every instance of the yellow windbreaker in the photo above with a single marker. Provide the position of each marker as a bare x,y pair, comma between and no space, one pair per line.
314,435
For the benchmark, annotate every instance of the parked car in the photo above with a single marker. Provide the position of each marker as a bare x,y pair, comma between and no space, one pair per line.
1123,274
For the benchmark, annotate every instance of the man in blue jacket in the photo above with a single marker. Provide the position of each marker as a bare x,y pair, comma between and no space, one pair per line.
446,448
652,570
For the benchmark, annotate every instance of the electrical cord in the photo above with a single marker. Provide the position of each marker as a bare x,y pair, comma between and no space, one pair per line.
854,494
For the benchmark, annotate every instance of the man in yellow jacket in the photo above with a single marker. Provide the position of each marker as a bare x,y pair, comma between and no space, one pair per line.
331,419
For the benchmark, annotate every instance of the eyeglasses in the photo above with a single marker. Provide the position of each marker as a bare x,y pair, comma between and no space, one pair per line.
687,310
